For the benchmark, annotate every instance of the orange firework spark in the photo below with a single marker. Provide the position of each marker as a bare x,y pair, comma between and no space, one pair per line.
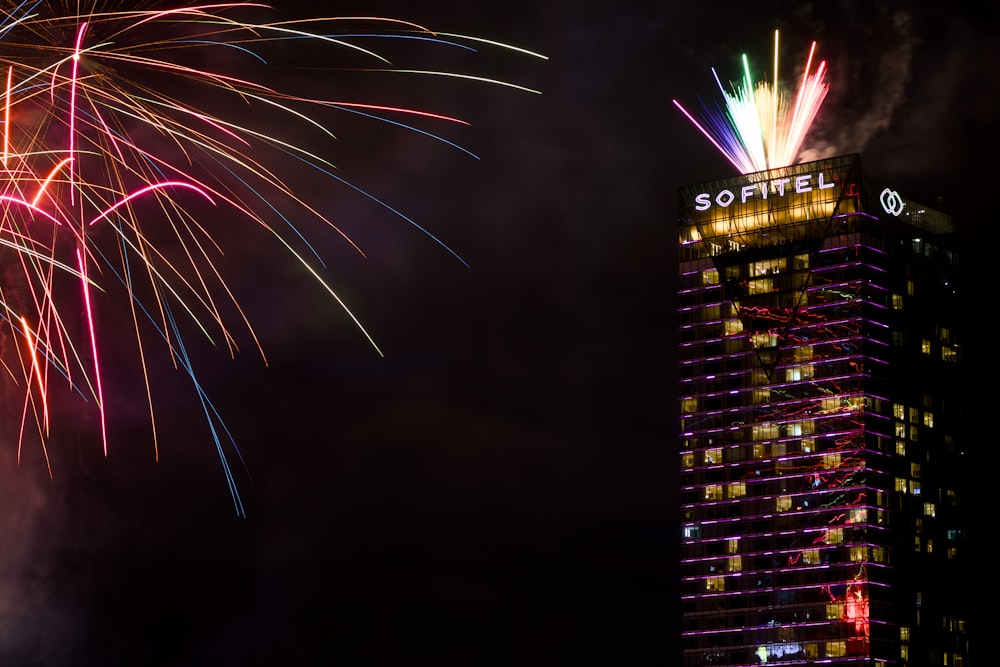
107,145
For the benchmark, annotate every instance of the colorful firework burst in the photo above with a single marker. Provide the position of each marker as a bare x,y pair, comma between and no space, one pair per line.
763,125
112,146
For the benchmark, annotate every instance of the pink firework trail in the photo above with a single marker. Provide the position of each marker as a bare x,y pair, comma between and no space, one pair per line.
762,125
136,156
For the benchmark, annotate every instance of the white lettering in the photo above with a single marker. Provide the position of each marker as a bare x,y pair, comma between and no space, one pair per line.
778,187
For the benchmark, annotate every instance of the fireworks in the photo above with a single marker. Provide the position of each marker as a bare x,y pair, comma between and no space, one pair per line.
763,126
113,150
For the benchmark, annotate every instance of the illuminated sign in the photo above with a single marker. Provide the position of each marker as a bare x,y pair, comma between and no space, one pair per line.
891,202
777,187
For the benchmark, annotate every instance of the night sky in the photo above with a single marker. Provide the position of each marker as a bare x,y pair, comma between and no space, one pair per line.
499,488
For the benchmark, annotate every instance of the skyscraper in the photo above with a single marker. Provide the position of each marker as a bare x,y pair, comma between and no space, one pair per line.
820,457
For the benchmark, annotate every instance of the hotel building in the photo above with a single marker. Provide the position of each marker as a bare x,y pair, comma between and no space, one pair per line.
819,440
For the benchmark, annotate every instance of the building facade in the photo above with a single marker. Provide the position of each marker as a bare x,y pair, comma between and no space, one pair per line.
820,454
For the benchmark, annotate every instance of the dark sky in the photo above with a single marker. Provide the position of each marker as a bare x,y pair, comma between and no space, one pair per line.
499,487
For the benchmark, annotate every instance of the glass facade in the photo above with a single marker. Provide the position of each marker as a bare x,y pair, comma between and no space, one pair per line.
818,443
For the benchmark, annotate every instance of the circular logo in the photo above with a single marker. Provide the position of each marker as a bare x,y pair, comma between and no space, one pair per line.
891,202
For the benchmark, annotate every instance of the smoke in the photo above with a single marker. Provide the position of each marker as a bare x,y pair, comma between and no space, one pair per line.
870,72
37,624
45,548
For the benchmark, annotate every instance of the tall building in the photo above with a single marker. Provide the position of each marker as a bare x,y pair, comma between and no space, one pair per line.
820,459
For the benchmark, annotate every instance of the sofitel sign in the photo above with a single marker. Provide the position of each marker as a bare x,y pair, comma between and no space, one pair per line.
777,187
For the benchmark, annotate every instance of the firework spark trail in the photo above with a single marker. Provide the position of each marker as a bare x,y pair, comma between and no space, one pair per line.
760,127
106,139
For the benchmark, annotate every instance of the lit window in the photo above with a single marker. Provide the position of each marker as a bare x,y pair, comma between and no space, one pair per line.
909,288
732,326
835,535
805,427
901,485
760,286
858,515
878,554
800,261
949,353
800,372
734,564
713,584
783,503
761,396
808,445
929,509
901,447
803,353
831,460
952,552
765,431
764,339
810,556
710,277
900,430
835,649
898,410
915,488
713,492
904,652
914,415
930,545
858,553
834,611
913,433
916,543
759,451
925,346
904,633
687,460
768,266
929,419
897,302
733,545
914,470
689,405
692,532
737,489
713,456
